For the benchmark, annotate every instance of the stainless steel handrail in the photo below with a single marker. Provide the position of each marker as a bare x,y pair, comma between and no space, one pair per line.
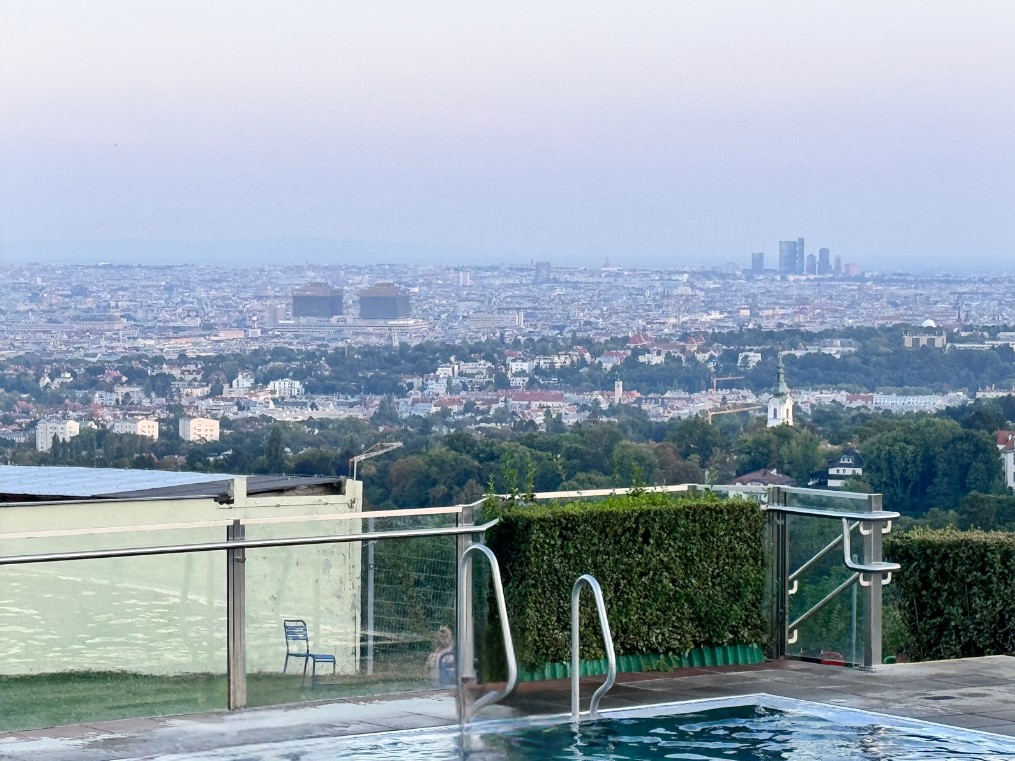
611,657
878,567
175,549
466,677
817,512
822,553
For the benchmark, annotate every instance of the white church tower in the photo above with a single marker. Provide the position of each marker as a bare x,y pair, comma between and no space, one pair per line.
780,406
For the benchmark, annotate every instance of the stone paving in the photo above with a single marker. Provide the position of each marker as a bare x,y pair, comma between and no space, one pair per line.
975,693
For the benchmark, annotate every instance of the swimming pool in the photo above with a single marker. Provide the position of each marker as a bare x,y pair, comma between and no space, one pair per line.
757,727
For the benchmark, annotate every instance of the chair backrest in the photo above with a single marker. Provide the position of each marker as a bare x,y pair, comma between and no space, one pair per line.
296,638
446,670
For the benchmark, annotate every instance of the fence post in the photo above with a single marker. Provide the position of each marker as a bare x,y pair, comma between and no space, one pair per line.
778,545
370,599
466,632
872,593
236,662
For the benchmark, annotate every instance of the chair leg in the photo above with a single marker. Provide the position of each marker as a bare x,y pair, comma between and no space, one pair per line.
286,664
305,671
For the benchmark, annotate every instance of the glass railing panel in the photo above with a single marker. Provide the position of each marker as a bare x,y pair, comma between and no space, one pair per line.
379,625
833,634
414,620
94,640
825,499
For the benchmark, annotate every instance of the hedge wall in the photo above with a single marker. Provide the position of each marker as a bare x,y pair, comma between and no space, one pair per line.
955,593
675,574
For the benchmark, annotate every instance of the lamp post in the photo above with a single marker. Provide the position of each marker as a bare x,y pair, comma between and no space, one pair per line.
375,451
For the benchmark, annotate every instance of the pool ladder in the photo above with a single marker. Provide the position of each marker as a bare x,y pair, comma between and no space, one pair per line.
611,658
463,657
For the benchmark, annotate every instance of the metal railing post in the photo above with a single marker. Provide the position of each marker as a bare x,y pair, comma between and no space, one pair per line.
236,662
467,632
872,593
778,583
370,600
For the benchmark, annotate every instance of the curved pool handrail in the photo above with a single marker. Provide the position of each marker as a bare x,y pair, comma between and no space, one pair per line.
465,710
611,657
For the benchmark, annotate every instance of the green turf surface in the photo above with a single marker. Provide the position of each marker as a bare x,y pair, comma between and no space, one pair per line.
49,700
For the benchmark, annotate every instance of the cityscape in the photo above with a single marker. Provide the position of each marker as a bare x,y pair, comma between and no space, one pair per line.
148,350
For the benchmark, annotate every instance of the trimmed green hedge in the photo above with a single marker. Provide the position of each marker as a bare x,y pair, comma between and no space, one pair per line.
675,574
955,593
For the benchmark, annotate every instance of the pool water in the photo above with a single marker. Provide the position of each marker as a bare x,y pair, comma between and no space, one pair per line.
732,733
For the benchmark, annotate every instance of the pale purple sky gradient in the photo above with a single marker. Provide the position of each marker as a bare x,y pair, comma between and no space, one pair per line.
653,133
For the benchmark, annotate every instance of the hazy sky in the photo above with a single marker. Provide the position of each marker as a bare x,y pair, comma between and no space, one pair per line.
652,133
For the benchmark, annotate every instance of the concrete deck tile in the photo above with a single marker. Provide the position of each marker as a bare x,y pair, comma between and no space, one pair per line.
970,721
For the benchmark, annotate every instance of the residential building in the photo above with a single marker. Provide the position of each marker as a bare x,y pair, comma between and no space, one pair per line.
142,427
843,467
763,477
64,430
1006,445
286,388
199,429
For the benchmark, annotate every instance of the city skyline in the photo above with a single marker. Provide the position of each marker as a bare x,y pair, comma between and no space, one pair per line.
655,135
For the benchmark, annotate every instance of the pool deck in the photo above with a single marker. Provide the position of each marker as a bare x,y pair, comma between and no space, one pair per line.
974,693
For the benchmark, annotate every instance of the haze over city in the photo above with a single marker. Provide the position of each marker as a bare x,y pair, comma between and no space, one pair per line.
650,134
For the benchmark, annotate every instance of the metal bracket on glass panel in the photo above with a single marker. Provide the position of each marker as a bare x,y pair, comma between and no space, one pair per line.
865,569
464,670
611,658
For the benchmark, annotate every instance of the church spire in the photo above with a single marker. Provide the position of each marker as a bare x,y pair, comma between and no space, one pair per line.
780,405
781,389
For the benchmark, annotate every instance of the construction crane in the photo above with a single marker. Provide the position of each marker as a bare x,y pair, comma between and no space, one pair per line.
709,414
715,380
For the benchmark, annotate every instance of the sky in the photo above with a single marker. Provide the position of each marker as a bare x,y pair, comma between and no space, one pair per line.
648,133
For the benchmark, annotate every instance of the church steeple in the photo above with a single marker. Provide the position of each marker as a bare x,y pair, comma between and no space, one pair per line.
780,406
781,389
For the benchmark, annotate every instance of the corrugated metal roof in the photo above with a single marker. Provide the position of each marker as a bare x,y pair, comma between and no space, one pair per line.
35,482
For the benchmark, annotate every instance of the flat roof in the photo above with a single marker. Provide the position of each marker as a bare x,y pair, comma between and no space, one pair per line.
32,483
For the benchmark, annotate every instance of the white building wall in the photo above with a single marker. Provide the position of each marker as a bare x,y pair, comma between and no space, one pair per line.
64,430
199,429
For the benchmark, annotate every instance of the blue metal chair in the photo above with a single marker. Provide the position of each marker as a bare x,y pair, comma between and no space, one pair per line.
446,676
297,645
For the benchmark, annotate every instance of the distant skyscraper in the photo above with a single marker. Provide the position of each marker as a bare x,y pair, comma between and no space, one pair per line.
787,257
542,273
812,265
823,265
799,256
838,265
317,300
758,262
